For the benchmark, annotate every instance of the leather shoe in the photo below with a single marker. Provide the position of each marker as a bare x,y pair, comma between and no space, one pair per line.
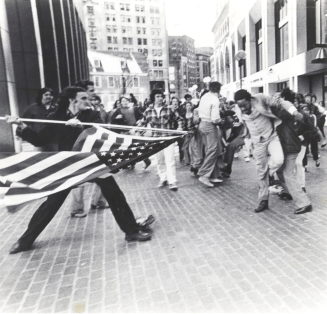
263,205
18,247
285,196
303,210
140,236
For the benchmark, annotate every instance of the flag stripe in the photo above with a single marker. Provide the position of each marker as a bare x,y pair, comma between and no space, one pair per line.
54,168
15,159
27,162
11,199
55,184
25,169
64,172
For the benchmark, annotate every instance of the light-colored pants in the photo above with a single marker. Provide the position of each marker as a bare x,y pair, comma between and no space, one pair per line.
81,197
248,147
269,158
213,150
166,164
300,170
292,176
196,149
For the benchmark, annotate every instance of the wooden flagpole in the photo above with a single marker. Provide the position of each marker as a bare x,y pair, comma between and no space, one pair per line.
110,126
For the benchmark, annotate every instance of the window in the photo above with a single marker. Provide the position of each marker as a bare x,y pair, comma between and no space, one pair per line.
154,52
145,41
124,7
97,81
258,42
316,22
160,63
144,30
159,52
136,82
115,40
243,74
139,41
97,63
138,30
111,17
281,26
155,63
130,40
124,40
111,81
90,9
109,39
160,74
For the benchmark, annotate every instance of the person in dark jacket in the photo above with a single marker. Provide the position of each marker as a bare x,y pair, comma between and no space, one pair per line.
125,115
293,130
43,107
72,98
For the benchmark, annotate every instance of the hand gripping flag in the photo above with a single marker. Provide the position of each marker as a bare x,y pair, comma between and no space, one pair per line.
29,176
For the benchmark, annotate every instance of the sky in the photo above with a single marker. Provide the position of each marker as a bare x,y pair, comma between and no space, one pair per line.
194,18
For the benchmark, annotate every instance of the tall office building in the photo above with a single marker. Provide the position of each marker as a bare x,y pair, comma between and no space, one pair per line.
42,43
130,26
203,67
182,64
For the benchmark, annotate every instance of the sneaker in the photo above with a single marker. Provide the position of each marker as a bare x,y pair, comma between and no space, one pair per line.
173,187
206,182
317,163
78,213
162,183
216,180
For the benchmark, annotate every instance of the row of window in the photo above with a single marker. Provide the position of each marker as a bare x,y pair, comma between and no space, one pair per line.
127,7
156,73
157,63
111,81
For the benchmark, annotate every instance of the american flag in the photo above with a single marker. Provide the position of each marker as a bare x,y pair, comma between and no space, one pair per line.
29,176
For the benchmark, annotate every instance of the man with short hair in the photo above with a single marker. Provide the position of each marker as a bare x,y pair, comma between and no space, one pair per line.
70,100
257,114
209,114
162,117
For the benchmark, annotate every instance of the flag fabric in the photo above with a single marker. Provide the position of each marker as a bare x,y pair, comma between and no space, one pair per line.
28,176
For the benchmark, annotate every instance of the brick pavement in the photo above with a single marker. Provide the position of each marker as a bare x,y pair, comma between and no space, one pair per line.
209,253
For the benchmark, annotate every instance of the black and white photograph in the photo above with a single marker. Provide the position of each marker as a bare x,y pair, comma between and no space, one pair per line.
163,156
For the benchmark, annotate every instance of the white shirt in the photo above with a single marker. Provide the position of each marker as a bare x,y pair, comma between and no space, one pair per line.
209,108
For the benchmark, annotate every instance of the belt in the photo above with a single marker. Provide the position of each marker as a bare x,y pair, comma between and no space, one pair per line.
206,120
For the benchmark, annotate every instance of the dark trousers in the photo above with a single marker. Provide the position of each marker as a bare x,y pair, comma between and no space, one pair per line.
230,151
110,190
314,149
321,125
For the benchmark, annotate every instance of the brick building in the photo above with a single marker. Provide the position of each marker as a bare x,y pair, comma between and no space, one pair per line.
119,73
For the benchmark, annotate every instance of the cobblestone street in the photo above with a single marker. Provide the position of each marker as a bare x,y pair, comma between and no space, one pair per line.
209,252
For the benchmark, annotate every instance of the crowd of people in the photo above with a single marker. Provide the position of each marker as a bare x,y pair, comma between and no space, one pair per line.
278,131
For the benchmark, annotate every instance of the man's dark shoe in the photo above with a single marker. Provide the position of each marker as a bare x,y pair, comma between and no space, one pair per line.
303,210
17,247
194,171
144,223
285,196
263,205
140,236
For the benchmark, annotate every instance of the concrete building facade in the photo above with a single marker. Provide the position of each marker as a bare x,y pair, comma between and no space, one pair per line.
279,38
182,62
131,26
119,73
203,67
42,43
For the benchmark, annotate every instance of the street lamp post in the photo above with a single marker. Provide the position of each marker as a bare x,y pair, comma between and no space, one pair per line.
240,56
125,73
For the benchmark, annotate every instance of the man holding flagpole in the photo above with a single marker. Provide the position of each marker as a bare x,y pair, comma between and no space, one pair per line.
73,97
